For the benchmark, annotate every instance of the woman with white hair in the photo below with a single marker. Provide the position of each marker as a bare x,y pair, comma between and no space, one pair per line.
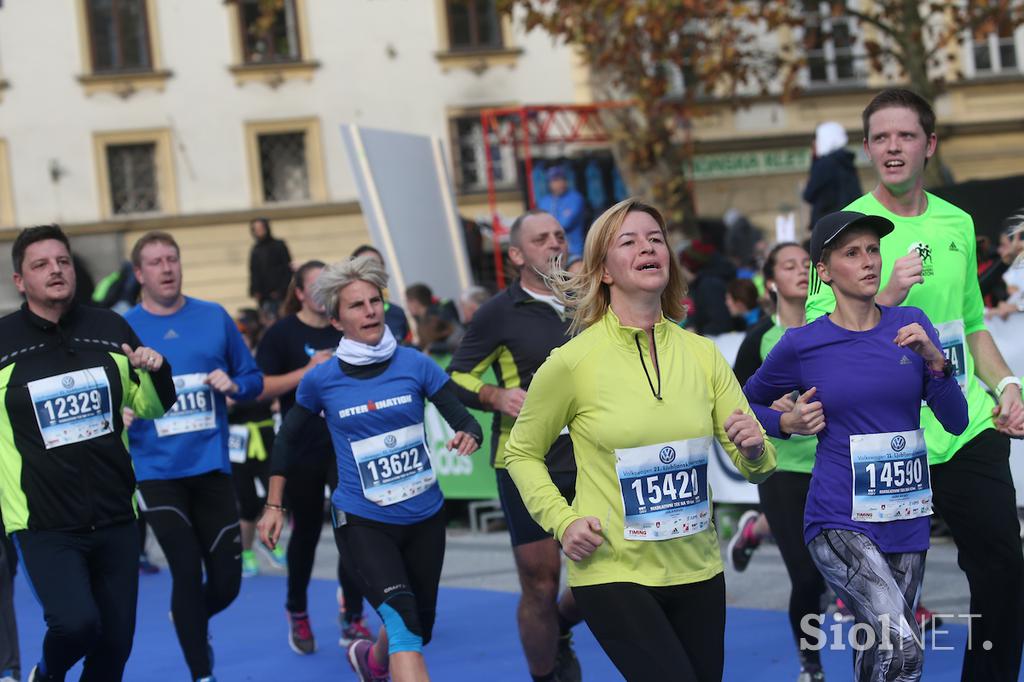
833,182
645,402
387,509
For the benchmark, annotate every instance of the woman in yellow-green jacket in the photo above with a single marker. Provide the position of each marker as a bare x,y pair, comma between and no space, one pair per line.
645,402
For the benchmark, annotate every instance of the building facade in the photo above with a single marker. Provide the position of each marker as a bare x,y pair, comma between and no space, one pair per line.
120,116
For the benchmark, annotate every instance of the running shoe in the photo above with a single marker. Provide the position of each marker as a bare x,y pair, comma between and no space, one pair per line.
147,567
845,614
352,630
359,658
300,633
209,678
567,666
926,618
277,556
250,564
744,542
811,674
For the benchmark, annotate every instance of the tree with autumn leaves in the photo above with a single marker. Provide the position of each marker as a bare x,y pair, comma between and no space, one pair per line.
670,57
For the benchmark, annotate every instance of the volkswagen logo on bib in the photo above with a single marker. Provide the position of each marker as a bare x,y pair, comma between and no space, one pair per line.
390,441
179,383
898,443
67,382
667,454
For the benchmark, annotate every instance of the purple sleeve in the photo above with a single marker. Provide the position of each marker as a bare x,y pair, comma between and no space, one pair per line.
778,375
944,396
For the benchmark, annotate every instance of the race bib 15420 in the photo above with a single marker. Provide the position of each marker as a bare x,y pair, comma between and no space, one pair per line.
665,489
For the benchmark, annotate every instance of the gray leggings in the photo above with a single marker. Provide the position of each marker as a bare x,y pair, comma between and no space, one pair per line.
882,591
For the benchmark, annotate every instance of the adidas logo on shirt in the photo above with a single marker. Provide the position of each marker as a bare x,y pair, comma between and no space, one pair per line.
904,360
952,246
171,334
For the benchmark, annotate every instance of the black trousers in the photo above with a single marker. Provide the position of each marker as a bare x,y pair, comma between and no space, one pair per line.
88,585
399,570
974,494
659,633
783,497
195,520
304,493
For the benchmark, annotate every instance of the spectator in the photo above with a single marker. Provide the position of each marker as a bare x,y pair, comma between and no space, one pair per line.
741,300
1010,269
711,274
270,268
470,301
833,182
741,242
568,207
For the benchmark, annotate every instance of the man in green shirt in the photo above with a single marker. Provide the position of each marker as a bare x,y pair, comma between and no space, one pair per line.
929,261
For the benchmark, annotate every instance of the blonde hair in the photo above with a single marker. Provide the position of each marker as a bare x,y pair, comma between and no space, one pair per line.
586,295
327,287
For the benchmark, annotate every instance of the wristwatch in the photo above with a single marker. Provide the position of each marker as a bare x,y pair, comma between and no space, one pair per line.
944,373
1006,382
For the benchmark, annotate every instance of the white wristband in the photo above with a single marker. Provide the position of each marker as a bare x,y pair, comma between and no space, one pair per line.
1006,382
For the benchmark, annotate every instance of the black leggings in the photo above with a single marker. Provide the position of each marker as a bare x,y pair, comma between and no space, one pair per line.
304,493
659,633
399,569
195,519
783,497
974,495
88,584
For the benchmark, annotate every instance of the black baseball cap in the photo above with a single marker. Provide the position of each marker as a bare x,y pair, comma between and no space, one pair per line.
832,225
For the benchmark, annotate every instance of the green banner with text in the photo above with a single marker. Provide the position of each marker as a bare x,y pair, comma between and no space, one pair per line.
461,478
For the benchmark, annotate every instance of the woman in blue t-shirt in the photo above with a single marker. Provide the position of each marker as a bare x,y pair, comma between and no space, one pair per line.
866,517
387,509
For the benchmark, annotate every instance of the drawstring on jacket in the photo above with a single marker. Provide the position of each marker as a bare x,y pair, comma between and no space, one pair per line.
657,366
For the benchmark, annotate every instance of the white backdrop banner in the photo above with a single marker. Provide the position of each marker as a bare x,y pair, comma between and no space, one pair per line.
729,486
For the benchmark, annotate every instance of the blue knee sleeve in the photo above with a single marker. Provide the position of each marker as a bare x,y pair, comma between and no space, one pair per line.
402,623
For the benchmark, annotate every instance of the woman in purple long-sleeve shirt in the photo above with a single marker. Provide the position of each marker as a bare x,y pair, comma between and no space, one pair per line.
866,519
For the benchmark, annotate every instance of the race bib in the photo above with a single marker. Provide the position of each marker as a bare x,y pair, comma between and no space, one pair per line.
194,410
394,466
72,407
952,338
665,489
891,481
238,443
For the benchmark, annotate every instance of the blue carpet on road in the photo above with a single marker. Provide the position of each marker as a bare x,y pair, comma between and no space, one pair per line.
475,639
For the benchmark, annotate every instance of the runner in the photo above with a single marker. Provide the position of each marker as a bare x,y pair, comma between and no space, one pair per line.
929,262
644,402
394,315
250,438
185,487
387,509
866,517
783,495
514,332
291,347
66,479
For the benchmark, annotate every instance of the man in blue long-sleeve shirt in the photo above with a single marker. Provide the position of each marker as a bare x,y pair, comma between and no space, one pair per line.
181,459
569,208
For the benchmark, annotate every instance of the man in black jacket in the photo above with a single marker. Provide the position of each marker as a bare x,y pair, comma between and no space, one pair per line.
66,479
270,267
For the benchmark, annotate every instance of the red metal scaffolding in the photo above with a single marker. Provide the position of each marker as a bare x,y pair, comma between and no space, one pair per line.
523,128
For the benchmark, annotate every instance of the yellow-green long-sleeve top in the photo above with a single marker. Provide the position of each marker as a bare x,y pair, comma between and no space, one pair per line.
597,386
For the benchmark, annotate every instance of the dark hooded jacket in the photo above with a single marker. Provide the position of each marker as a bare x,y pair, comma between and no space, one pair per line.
832,185
270,269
